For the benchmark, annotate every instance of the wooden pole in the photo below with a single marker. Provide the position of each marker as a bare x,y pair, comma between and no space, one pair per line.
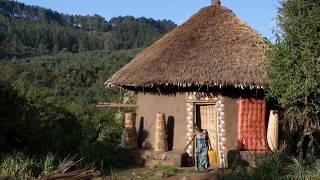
115,105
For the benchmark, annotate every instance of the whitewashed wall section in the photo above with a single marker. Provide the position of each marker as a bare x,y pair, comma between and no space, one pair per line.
190,107
221,132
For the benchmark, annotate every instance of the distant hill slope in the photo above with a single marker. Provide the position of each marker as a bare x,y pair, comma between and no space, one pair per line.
69,76
69,56
31,30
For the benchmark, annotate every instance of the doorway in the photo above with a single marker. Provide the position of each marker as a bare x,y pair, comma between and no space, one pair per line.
206,118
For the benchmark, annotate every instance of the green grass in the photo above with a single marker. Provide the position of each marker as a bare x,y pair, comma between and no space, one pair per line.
49,164
275,166
166,170
20,166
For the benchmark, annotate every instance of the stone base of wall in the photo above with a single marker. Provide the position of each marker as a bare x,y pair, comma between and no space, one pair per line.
246,158
149,158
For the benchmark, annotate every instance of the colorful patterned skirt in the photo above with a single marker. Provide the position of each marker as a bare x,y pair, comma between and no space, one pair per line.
201,153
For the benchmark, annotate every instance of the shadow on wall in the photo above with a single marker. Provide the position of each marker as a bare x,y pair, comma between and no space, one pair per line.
143,134
170,129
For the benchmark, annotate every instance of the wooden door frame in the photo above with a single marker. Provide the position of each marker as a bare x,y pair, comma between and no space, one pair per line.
193,98
199,103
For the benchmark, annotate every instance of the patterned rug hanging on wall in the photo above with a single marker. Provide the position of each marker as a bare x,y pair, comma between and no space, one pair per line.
252,125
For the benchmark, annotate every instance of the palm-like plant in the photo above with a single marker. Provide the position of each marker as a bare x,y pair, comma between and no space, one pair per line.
296,169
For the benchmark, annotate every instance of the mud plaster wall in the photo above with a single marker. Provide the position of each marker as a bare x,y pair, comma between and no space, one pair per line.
231,112
174,107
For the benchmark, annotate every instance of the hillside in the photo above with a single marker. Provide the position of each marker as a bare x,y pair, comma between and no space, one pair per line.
70,76
31,30
70,55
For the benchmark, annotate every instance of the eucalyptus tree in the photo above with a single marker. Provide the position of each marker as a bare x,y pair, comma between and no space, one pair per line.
294,68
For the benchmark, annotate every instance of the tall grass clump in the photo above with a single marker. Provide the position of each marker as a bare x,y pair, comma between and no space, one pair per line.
301,169
19,166
49,164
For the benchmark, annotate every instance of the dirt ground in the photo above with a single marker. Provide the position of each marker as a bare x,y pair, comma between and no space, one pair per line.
151,174
199,176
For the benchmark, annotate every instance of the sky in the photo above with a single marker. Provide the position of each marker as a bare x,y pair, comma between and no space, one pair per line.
259,14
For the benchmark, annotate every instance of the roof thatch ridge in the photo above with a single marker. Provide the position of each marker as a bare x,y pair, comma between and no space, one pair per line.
213,48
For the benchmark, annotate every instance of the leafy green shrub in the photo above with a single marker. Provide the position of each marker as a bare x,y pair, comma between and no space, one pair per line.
266,169
276,165
294,71
99,149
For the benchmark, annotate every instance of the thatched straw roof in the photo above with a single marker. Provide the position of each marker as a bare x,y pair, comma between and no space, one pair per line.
214,48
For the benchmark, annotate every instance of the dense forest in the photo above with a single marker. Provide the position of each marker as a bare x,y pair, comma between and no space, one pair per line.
31,31
52,71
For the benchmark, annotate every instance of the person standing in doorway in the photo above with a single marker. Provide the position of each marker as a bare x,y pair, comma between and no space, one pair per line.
203,144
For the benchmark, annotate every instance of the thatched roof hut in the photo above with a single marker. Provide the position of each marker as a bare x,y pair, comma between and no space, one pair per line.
212,70
213,48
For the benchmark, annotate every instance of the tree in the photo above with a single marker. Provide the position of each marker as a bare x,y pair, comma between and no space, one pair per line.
294,67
